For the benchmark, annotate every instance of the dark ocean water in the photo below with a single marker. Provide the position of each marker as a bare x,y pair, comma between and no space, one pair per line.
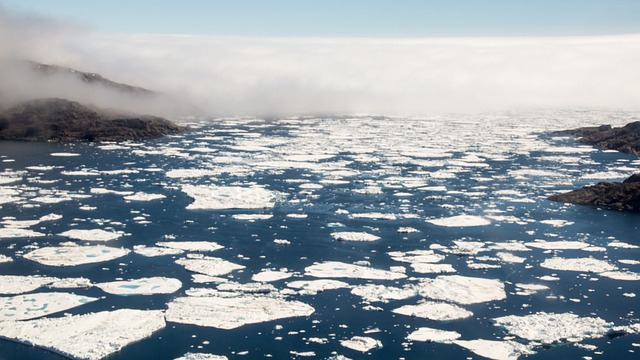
499,168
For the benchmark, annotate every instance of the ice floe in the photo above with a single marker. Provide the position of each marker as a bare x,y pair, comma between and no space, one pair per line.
5,259
212,197
91,234
90,336
433,335
354,236
271,275
336,269
152,251
550,328
361,343
529,289
207,265
312,287
381,293
232,310
578,264
462,289
140,196
143,286
71,255
496,350
201,356
433,310
31,306
461,221
9,233
557,245
196,246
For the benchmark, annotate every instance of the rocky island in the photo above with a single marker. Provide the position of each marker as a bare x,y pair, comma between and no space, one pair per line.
624,195
55,103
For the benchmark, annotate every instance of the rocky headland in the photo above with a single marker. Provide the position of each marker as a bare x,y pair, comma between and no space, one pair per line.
624,195
41,102
69,121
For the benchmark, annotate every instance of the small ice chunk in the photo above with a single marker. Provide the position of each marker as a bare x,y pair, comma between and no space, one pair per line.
336,269
211,266
5,259
143,286
361,343
461,221
550,328
203,246
31,306
462,289
64,154
433,335
496,350
91,234
91,336
271,275
233,310
373,216
252,217
557,223
529,289
433,310
578,264
213,197
282,242
75,255
354,236
407,230
510,258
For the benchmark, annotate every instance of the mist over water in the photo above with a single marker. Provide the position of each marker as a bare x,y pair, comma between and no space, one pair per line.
394,76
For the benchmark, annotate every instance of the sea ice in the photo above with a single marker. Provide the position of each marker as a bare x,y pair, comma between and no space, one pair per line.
152,251
433,335
207,265
461,221
336,269
557,245
17,284
433,310
5,259
91,336
496,350
578,264
462,289
213,197
529,289
416,256
198,246
91,234
621,275
144,286
233,310
31,306
510,258
141,196
354,236
550,328
271,275
72,255
426,268
312,287
201,356
252,217
10,233
361,343
375,293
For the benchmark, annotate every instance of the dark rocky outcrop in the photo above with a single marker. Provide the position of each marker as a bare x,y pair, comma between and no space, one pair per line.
624,139
615,195
64,120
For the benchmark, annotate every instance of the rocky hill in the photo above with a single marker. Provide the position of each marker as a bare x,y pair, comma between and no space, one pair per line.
64,120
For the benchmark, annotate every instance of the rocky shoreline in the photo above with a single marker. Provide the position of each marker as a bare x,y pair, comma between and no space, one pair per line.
624,196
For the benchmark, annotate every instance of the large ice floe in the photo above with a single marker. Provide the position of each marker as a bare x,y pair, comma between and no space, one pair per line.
432,310
496,350
433,335
208,265
354,236
230,310
578,264
90,336
72,255
144,286
91,234
549,328
461,221
462,289
31,306
336,269
214,197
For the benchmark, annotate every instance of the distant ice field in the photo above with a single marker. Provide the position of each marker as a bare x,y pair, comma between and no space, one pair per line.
320,237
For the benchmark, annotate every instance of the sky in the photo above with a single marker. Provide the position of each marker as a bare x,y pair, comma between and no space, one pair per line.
389,57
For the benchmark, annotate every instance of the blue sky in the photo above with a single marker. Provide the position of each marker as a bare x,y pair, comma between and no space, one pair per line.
345,18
